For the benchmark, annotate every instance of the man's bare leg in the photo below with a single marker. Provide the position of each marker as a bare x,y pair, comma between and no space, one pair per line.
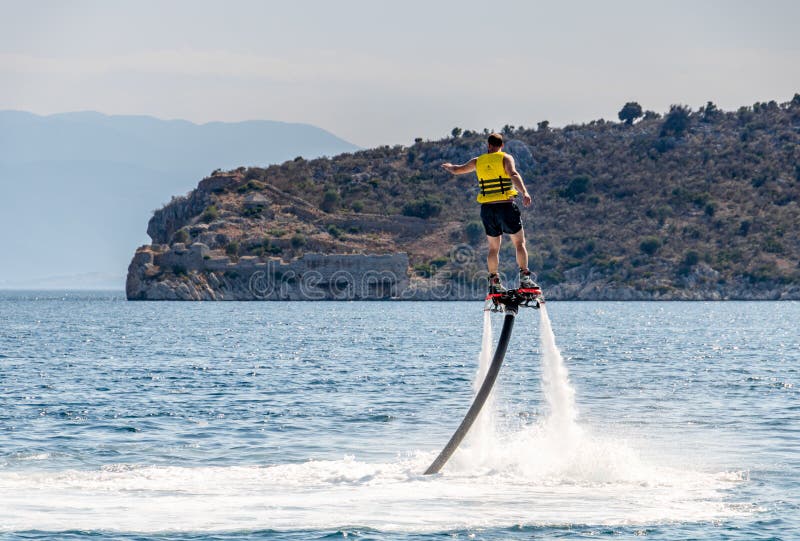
493,259
518,239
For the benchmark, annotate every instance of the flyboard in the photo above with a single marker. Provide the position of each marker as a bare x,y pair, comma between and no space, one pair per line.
507,303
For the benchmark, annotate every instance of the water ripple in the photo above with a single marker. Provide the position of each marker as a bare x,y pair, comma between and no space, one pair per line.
95,390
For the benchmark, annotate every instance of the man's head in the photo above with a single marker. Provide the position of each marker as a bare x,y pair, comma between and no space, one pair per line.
495,142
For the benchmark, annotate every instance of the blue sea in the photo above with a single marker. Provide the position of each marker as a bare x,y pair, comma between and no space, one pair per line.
302,421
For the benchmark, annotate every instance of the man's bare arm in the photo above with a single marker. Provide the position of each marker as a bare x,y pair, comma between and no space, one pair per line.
516,179
468,167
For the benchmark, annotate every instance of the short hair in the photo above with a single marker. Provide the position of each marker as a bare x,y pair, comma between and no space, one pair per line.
496,140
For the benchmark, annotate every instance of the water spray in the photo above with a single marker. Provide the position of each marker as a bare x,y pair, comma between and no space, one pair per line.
508,303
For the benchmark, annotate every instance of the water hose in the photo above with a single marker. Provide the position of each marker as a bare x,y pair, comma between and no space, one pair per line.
480,398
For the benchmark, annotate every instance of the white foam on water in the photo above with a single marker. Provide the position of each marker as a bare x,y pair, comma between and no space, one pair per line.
600,486
555,472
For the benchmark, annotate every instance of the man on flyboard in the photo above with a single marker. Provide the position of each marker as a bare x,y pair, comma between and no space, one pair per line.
500,184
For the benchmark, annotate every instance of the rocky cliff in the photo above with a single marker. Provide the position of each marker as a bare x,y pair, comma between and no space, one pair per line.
237,239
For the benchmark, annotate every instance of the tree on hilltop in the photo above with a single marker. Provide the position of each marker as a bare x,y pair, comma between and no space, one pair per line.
677,121
710,112
630,112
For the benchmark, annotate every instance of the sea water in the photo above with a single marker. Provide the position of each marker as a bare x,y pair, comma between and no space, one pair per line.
123,420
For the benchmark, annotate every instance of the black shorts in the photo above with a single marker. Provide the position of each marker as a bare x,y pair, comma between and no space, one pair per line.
499,218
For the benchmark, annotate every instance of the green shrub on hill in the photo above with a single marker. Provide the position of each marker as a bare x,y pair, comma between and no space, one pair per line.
650,245
210,214
576,188
475,232
423,208
181,235
299,240
330,200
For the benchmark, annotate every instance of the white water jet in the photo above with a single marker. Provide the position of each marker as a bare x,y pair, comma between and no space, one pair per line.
484,425
479,445
558,391
557,438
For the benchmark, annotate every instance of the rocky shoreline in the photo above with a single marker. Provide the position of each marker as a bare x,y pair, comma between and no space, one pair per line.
193,273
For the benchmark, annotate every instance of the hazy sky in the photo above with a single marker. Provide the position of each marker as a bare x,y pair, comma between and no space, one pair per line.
378,72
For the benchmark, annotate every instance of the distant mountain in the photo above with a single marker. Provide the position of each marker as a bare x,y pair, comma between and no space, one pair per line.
76,187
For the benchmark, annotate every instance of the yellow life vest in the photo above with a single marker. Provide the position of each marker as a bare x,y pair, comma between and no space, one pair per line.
493,181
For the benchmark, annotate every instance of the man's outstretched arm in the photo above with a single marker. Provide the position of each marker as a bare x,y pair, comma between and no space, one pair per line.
468,167
516,179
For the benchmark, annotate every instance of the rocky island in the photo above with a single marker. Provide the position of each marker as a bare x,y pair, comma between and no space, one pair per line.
693,205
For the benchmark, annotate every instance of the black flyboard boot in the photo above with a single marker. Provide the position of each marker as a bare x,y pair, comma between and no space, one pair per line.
495,286
526,280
